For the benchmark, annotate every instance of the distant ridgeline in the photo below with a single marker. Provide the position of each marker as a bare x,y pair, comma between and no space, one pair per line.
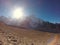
31,22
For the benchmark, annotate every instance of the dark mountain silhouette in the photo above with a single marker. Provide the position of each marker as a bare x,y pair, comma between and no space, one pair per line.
31,22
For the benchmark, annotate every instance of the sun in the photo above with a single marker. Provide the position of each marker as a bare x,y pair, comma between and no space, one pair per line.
18,13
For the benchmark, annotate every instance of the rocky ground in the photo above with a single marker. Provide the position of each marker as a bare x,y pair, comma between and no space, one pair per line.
15,36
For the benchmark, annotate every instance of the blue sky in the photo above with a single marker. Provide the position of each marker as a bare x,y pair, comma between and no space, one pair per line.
48,10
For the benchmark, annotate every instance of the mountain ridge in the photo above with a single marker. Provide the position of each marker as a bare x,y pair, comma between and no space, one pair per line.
31,22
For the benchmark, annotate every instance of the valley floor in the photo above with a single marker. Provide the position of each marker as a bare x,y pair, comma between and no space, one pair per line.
16,36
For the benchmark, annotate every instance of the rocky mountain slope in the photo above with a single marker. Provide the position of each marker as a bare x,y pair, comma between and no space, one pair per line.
10,35
31,22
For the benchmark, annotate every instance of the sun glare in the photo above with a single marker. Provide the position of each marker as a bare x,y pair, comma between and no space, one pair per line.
18,13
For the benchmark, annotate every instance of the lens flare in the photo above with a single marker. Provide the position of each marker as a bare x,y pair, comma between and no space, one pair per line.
18,13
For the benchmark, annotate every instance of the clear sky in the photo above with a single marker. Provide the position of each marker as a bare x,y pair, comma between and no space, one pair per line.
48,10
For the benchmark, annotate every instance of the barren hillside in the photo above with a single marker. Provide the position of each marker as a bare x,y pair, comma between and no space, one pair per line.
17,36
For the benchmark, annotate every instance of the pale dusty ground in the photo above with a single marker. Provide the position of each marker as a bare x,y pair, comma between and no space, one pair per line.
16,36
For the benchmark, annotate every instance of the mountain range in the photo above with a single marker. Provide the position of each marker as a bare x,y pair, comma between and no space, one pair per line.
32,22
